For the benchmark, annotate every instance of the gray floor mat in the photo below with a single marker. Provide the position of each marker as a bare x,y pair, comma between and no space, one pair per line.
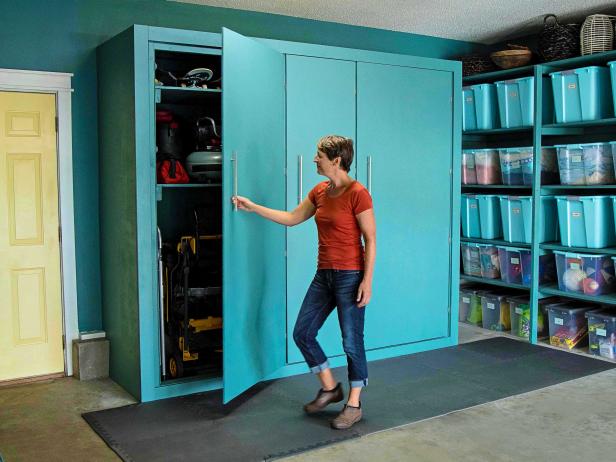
267,422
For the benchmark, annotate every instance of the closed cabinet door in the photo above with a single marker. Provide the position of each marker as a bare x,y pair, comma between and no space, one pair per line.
404,144
30,284
253,248
320,101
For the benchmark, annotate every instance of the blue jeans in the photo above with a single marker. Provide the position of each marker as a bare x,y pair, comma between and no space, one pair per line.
328,290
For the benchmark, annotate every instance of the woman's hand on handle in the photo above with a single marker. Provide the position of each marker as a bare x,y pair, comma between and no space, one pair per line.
243,203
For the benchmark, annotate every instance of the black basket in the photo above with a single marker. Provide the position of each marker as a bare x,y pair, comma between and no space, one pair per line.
557,41
476,64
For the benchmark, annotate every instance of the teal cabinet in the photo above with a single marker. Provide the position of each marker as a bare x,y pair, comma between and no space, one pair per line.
277,100
320,101
404,155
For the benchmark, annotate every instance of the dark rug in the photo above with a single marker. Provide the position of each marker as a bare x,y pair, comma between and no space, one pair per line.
267,422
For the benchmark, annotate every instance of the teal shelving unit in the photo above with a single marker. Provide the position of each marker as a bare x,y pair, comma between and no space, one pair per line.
542,133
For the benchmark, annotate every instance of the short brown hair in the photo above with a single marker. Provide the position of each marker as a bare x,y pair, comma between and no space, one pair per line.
334,146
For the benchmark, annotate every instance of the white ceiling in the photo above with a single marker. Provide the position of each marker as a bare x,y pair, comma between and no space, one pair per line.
481,21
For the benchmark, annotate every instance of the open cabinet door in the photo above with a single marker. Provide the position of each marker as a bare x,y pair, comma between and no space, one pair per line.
253,105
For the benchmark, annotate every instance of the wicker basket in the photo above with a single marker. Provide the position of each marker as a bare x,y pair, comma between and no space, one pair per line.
558,41
516,56
597,34
476,64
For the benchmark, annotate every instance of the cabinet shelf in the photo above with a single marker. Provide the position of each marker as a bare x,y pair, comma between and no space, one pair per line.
494,242
609,299
558,246
548,190
577,128
481,187
174,187
497,131
523,71
185,95
497,282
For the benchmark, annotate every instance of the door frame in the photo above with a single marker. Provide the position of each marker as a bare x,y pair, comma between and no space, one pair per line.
58,84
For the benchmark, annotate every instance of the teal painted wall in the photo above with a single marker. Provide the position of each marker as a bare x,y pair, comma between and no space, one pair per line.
62,36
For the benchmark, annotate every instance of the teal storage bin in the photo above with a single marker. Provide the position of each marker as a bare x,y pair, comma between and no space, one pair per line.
489,216
516,102
612,66
582,94
516,215
469,118
586,221
471,225
480,111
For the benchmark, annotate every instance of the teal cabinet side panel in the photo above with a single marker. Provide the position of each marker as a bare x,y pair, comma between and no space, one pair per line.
253,248
320,101
405,125
118,223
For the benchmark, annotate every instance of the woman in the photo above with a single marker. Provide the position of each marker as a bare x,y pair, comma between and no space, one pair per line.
343,213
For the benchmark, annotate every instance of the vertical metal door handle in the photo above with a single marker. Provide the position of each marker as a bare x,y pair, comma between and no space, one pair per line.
369,160
300,179
161,305
234,160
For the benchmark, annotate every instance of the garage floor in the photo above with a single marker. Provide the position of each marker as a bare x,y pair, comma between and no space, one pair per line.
569,421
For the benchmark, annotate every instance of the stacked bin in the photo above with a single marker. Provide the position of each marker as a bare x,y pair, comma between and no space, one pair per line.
471,224
571,164
479,102
516,102
490,264
602,333
582,94
589,274
549,165
469,174
487,166
471,262
568,327
612,66
598,163
510,261
470,301
547,268
586,221
495,312
516,214
519,314
511,166
489,216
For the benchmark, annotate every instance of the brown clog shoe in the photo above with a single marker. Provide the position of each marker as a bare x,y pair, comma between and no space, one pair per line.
324,398
348,417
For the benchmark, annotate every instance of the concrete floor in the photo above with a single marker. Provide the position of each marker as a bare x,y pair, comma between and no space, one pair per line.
571,421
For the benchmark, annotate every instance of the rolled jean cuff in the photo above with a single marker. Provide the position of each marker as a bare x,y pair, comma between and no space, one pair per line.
358,383
320,367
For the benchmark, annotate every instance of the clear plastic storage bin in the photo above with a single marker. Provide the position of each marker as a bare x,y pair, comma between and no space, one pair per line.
510,260
469,174
468,296
469,213
519,314
547,268
487,166
582,94
473,315
586,221
584,273
489,216
471,262
602,333
568,327
571,164
495,312
549,166
598,163
511,166
481,101
490,264
516,214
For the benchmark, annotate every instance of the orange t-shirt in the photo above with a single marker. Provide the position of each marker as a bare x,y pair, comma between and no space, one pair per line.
340,245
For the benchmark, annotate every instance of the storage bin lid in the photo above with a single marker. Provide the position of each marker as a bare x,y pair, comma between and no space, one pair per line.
519,299
582,145
515,198
481,85
484,150
611,63
522,148
579,70
519,79
567,309
567,146
495,296
601,314
579,255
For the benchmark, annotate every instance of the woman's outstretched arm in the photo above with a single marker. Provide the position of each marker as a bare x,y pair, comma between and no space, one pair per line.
301,213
